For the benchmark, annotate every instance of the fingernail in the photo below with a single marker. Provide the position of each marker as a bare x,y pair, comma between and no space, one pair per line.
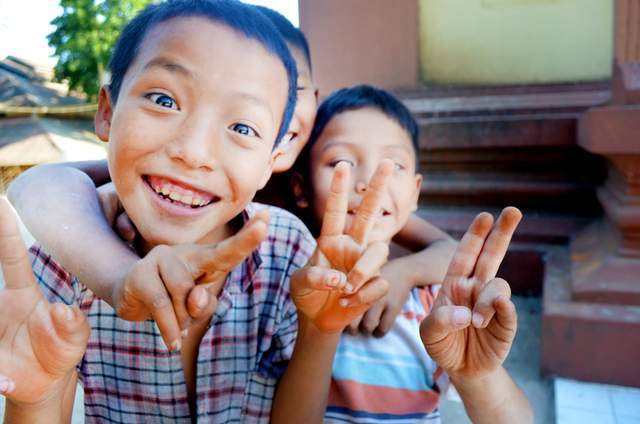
68,313
348,288
176,345
201,300
477,320
460,316
185,333
6,385
333,281
343,302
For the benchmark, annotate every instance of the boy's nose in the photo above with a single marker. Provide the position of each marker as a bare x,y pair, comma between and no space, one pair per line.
194,149
361,187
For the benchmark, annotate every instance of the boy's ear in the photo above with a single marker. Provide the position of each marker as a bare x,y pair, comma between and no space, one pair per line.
299,190
102,120
416,193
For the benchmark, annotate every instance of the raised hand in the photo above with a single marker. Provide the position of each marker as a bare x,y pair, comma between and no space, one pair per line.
381,316
178,285
343,278
471,327
40,343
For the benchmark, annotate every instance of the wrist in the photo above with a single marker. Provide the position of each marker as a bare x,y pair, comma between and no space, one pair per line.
46,407
476,383
307,329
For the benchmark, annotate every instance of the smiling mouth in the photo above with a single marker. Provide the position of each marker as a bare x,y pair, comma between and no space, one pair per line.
179,194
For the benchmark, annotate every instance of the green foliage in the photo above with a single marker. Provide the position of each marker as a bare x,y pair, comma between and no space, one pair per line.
84,36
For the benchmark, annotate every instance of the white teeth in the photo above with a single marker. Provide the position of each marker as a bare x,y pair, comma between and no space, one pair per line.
187,199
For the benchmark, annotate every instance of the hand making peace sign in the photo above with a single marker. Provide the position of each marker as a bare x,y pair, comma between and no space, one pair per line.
40,343
342,278
471,327
178,285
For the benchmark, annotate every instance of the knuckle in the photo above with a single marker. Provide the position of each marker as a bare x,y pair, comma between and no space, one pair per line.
160,301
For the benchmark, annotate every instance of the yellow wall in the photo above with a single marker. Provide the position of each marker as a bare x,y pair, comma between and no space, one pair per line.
515,41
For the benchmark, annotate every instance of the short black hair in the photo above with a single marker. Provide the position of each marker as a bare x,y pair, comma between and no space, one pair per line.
290,33
361,97
244,19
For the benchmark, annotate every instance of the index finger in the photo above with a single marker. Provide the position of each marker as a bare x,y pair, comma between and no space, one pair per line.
226,255
497,244
369,208
335,211
16,266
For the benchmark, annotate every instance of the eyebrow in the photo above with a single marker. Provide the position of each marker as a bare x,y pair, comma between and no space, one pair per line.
346,143
169,65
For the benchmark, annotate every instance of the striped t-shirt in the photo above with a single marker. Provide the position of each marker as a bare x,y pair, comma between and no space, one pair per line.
389,379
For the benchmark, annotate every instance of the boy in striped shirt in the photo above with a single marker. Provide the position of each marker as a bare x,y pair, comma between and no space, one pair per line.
467,326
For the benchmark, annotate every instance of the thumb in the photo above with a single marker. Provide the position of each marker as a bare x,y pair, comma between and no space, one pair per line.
442,321
71,325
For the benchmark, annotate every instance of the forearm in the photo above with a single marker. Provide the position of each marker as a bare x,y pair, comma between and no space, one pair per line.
418,234
301,396
494,399
428,266
57,408
60,207
97,170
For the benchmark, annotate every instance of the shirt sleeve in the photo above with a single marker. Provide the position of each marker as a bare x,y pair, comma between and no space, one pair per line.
56,283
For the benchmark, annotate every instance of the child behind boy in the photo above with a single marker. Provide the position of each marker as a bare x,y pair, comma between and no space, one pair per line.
393,378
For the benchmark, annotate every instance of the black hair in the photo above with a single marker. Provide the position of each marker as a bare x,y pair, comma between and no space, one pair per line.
361,97
244,19
290,33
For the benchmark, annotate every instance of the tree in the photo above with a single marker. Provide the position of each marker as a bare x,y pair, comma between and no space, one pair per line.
84,36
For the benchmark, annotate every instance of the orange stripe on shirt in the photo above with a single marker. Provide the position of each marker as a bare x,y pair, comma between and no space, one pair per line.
381,399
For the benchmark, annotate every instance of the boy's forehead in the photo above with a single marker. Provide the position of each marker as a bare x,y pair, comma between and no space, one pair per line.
211,49
366,126
301,61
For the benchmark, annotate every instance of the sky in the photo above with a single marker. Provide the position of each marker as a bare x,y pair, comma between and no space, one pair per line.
24,25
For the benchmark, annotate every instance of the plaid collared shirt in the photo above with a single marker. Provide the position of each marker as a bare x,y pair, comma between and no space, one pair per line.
128,374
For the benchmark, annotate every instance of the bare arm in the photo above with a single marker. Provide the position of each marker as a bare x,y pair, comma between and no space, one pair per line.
97,170
494,398
418,234
60,207
308,373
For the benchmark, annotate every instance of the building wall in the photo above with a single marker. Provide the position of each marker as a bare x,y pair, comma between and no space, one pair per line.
515,41
362,41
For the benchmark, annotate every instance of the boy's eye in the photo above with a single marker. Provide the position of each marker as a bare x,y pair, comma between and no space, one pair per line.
162,100
399,166
335,162
244,129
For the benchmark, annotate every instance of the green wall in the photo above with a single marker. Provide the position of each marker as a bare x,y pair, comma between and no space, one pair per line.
515,41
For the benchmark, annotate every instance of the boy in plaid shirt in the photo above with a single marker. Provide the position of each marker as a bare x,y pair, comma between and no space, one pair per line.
201,92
